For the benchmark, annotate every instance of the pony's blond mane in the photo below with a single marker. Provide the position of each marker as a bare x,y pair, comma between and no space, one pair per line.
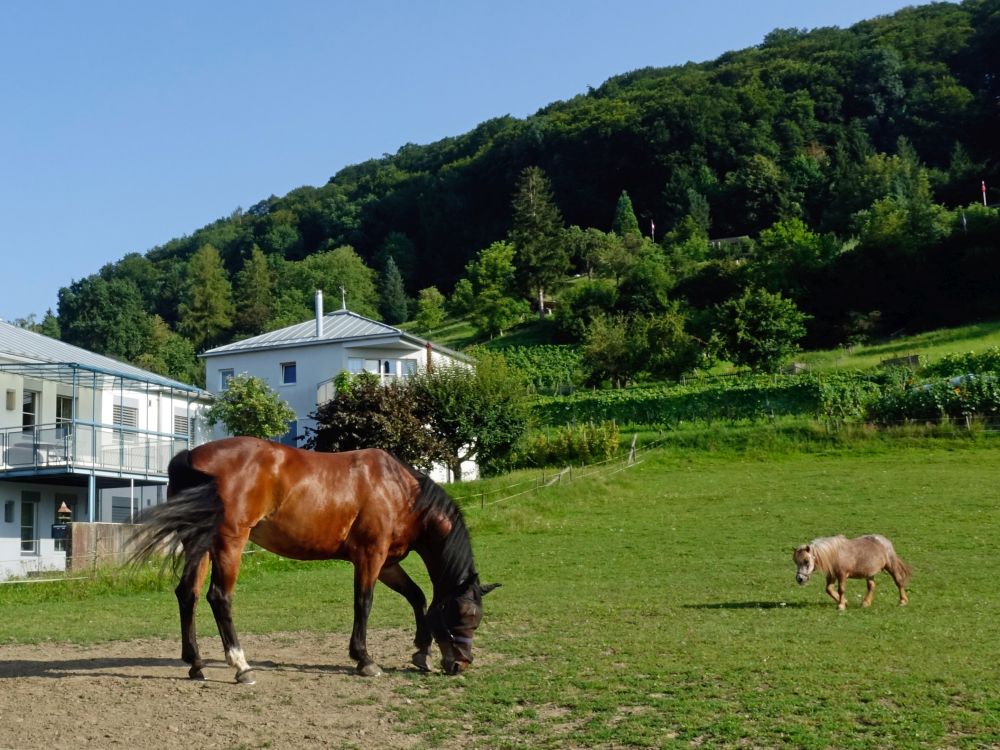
824,550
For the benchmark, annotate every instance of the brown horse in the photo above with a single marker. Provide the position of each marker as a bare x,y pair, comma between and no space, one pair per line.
362,506
842,558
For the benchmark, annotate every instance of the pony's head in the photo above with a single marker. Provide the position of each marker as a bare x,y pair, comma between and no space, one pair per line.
453,623
805,563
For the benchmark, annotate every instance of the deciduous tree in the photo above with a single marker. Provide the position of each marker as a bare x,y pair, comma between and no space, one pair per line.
249,407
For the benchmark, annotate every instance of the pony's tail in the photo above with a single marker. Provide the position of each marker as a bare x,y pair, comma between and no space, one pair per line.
186,524
901,570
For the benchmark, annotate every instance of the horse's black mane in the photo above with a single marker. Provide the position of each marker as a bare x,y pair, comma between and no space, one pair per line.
456,553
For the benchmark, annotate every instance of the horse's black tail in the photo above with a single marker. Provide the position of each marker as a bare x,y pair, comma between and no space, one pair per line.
186,524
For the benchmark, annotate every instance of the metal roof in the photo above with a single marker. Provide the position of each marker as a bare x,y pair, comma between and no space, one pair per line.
28,353
339,326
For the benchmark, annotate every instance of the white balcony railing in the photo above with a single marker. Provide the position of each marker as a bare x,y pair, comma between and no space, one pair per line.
87,446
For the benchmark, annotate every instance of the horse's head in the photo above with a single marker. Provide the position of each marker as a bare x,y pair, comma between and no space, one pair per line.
805,563
453,623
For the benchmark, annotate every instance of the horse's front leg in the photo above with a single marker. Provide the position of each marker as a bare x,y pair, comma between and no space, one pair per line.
366,571
867,601
188,590
225,569
830,581
399,581
841,593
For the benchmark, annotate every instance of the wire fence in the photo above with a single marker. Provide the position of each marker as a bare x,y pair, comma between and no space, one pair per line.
481,499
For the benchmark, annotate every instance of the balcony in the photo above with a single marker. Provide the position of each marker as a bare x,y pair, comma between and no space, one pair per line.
79,447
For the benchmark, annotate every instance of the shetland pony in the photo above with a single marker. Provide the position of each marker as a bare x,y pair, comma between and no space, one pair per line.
842,558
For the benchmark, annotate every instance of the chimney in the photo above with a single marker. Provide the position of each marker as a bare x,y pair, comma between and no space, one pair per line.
319,313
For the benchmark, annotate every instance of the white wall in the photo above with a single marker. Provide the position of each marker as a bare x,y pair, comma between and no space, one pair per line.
12,561
314,365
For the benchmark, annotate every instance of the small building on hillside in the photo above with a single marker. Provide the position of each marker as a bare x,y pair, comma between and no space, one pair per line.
301,362
84,431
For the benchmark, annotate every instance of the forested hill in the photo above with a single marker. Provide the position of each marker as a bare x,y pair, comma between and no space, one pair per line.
865,139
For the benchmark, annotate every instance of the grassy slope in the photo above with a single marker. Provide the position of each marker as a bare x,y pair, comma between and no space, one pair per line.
930,346
657,607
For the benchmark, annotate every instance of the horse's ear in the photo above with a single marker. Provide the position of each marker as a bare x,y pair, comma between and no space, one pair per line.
489,587
807,548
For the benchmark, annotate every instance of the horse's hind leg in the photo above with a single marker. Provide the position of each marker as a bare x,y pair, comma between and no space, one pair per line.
225,569
188,591
366,571
397,579
898,579
867,601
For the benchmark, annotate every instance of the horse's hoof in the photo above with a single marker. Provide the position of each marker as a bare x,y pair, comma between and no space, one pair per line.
195,673
419,660
369,670
245,677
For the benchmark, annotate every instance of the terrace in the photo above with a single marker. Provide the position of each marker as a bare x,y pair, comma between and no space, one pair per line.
103,428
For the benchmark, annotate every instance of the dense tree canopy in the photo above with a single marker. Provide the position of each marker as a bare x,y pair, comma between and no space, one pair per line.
839,168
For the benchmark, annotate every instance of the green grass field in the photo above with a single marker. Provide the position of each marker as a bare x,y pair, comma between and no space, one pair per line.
657,607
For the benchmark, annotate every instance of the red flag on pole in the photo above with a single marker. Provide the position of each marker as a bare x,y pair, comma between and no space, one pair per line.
984,192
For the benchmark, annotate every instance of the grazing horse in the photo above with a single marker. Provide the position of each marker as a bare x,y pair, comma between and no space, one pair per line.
842,558
363,506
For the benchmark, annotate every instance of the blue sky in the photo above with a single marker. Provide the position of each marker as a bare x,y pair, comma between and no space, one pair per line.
126,124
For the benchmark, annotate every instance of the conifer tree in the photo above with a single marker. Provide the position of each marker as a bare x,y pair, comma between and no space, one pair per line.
207,310
625,222
542,257
254,294
392,296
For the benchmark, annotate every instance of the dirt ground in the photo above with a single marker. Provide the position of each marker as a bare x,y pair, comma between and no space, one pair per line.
136,695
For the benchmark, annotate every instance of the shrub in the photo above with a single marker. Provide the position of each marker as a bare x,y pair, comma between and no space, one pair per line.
963,364
571,445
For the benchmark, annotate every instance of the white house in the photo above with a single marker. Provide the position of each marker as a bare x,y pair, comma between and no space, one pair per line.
81,429
300,362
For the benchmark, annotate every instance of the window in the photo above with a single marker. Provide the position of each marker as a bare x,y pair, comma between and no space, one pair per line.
121,509
182,423
287,373
409,368
29,540
355,365
64,415
8,511
125,415
29,409
224,377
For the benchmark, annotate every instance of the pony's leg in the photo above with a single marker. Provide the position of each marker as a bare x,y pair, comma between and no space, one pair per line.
867,601
842,595
830,580
188,590
366,572
225,569
397,579
898,579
